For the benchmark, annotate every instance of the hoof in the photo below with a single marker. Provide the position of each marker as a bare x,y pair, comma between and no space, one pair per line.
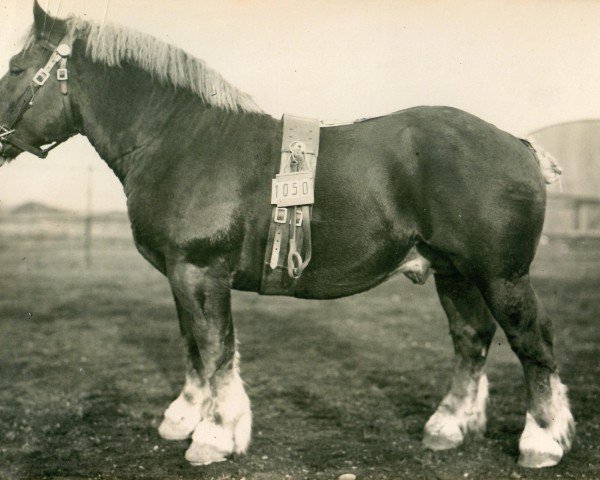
458,417
203,454
441,442
539,459
538,447
180,419
169,430
211,443
442,433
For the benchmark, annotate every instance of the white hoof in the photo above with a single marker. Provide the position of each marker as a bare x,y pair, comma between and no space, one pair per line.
170,430
537,446
545,447
180,420
442,432
211,443
199,455
457,417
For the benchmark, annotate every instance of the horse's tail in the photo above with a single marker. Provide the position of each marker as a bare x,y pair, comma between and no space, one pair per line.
549,166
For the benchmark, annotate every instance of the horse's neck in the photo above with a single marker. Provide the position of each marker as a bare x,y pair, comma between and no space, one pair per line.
124,110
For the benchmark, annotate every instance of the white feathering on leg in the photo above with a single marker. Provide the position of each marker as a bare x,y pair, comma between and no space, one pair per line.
544,447
184,413
458,416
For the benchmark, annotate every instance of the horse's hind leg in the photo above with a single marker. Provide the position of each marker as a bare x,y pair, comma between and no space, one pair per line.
549,426
213,406
472,328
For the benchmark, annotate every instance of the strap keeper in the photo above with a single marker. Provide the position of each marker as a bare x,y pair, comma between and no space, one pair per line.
281,215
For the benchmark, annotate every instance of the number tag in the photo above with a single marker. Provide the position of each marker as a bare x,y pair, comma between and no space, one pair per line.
292,189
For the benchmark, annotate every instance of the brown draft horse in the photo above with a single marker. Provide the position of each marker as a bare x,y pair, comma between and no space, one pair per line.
196,157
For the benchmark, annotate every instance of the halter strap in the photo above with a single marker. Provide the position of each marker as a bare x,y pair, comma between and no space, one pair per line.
59,56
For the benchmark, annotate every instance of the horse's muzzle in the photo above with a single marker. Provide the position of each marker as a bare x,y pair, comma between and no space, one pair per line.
3,159
7,153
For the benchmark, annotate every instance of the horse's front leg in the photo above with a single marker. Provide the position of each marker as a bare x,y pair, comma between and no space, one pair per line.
472,327
213,406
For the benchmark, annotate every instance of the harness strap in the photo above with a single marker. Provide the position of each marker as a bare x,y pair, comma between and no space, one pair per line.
295,263
289,246
59,56
62,75
300,218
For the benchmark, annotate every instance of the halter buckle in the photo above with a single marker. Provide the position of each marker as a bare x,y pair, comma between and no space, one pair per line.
62,74
5,132
41,77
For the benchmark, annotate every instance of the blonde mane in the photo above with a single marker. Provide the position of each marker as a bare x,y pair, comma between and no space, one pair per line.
113,45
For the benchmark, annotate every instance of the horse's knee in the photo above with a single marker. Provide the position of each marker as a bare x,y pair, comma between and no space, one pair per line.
472,342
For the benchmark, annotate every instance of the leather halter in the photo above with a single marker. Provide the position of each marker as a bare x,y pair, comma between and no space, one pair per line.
59,56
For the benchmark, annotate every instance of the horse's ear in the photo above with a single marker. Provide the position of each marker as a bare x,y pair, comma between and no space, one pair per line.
45,24
40,18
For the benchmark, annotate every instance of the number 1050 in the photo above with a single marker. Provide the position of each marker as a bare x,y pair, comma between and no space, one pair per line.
293,188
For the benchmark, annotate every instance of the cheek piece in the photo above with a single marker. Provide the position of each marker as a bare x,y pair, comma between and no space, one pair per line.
8,133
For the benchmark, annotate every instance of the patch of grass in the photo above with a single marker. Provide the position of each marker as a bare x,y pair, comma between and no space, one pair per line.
90,358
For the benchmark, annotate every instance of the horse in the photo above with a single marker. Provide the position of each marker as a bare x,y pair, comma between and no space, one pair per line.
432,186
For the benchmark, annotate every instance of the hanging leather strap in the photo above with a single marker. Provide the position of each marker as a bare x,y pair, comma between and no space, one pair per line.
289,246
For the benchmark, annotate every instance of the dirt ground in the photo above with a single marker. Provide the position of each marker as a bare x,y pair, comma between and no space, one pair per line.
90,358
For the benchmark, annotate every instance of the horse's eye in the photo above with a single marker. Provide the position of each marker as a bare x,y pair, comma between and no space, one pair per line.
16,71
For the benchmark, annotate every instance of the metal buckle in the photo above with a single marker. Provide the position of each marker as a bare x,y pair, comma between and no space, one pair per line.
62,74
63,50
4,132
280,215
299,218
297,148
297,151
41,77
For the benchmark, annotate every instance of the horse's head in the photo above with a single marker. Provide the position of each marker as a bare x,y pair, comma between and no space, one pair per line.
35,108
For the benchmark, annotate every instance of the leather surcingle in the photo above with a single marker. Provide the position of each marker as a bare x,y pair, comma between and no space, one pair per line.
289,244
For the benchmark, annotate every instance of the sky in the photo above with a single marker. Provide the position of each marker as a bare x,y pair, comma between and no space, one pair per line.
519,64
